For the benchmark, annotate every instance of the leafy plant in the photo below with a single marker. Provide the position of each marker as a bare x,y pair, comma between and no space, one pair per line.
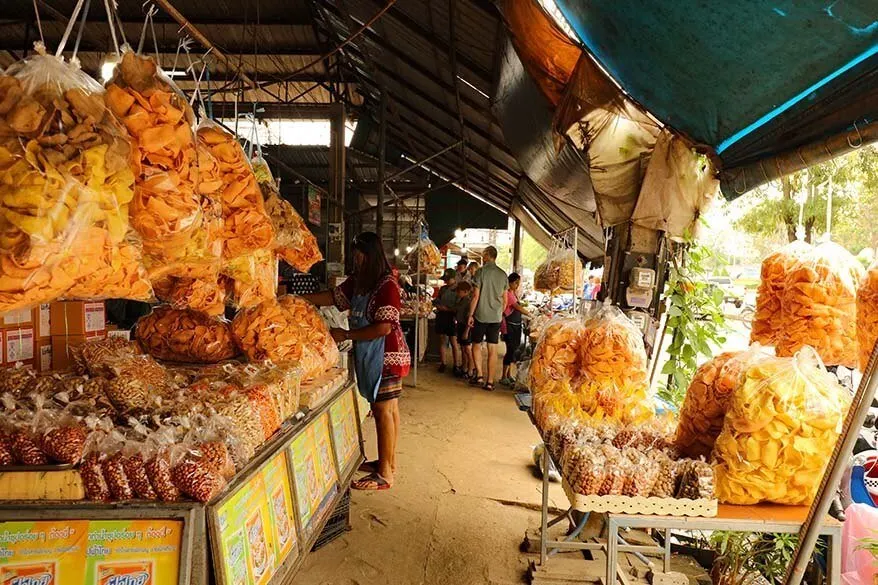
743,558
869,544
695,317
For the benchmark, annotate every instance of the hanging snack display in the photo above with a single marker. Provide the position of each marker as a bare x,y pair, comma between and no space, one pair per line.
294,242
185,336
246,226
561,271
768,318
555,361
867,315
784,415
429,255
819,306
613,366
65,189
707,399
287,330
167,206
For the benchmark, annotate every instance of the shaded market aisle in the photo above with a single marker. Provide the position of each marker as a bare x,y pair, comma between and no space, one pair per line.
463,498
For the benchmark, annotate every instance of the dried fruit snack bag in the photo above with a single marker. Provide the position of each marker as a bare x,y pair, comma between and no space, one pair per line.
246,226
867,314
819,306
613,365
250,278
431,257
707,399
288,331
167,206
185,336
294,242
65,189
783,418
561,271
768,317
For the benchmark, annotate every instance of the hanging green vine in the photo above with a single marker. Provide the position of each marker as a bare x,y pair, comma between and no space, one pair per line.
695,317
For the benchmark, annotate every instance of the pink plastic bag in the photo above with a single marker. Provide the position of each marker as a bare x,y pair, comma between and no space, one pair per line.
859,567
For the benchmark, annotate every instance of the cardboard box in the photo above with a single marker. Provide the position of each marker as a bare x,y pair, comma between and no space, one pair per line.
43,355
42,318
62,346
17,318
78,318
18,346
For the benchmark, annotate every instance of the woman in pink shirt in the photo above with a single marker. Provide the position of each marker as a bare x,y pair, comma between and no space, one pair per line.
511,328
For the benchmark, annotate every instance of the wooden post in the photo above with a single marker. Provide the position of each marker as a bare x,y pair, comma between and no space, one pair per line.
335,250
516,247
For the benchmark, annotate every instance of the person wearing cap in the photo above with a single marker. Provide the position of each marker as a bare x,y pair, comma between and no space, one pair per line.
446,303
461,268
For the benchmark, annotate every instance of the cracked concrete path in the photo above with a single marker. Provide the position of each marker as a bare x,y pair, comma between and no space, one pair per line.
464,495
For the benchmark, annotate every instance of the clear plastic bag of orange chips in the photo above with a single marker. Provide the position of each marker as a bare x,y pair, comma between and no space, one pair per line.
819,306
783,418
613,367
65,189
867,314
287,331
768,318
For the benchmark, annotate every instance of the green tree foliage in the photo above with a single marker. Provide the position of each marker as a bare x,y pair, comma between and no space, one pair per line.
854,182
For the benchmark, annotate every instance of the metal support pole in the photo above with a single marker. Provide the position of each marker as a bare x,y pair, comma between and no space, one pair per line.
382,146
335,251
423,161
544,509
516,247
418,305
577,286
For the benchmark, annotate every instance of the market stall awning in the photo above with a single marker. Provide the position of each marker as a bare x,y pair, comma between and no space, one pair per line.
748,80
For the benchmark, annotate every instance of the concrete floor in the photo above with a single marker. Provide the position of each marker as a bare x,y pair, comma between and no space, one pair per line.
464,495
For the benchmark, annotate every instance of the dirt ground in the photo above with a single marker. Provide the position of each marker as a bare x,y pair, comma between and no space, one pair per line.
465,493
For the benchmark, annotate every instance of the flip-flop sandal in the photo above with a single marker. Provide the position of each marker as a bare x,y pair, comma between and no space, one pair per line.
372,482
368,467
489,387
477,381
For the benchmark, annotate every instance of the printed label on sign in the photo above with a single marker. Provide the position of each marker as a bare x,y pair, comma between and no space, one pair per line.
123,333
19,345
134,573
95,317
32,574
45,319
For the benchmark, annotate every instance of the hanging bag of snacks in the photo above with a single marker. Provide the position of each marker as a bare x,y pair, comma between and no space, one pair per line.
429,255
185,336
819,306
561,272
867,314
66,186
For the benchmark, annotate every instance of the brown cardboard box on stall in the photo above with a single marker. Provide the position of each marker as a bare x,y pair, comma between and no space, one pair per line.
42,318
43,355
18,346
62,346
78,317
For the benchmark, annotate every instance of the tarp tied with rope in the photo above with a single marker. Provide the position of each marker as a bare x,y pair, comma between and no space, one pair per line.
766,88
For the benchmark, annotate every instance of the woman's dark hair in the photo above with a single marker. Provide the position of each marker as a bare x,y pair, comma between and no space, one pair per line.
514,277
375,266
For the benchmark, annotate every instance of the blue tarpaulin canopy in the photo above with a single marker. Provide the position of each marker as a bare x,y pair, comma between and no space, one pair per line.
750,79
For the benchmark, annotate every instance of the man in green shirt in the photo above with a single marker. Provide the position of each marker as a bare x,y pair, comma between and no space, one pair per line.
485,314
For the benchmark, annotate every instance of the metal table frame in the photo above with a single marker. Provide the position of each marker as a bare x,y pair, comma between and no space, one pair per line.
616,522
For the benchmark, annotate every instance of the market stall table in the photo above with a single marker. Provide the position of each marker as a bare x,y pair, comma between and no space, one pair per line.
258,530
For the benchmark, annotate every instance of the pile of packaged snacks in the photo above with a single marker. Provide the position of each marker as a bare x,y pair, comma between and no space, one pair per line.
250,279
609,459
294,242
205,296
185,336
167,210
66,187
288,331
783,417
768,317
555,361
867,315
561,271
819,306
706,402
